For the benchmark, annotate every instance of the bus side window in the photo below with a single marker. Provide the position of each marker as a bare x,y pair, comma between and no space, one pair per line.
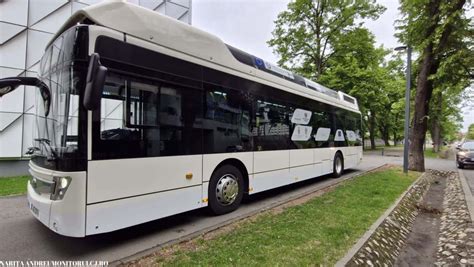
353,129
321,122
226,123
340,124
301,129
181,121
271,126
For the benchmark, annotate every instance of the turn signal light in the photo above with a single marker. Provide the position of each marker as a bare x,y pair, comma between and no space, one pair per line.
60,186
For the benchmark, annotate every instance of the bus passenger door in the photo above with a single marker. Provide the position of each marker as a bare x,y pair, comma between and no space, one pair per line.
146,152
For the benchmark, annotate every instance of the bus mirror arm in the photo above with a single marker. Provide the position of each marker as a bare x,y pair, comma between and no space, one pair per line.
95,81
8,85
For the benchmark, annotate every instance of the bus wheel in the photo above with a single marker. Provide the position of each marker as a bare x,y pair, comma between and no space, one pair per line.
226,189
338,165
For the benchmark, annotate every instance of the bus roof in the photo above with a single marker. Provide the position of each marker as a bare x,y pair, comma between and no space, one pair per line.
173,34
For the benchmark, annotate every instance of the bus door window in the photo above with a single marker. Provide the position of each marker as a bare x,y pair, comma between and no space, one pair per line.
142,118
128,113
141,115
112,124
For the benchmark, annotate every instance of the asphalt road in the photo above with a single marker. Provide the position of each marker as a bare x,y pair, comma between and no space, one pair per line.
24,238
468,172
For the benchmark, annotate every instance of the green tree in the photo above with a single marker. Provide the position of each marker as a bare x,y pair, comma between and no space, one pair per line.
356,68
391,120
445,118
434,28
453,76
470,132
307,32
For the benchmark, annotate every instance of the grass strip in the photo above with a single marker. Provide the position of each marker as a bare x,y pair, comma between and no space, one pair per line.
13,185
318,232
430,154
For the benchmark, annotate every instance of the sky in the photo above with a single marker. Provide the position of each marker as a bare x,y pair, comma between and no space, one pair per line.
248,24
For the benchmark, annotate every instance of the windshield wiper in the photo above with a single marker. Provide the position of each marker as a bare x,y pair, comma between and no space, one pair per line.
31,150
47,144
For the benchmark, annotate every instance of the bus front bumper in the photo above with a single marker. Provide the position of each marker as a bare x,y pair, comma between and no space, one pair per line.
39,206
64,216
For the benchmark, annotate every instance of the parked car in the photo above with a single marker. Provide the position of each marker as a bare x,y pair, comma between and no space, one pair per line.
465,154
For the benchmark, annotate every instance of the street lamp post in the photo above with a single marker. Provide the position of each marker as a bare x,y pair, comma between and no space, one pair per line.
407,106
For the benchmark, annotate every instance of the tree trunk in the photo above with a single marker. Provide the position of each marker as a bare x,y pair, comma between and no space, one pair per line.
386,139
395,138
436,135
384,132
435,123
372,130
424,90
395,135
424,87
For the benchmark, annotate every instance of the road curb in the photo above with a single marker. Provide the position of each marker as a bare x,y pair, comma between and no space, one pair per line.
467,194
365,237
209,229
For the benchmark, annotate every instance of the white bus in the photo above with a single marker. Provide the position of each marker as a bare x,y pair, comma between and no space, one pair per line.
140,117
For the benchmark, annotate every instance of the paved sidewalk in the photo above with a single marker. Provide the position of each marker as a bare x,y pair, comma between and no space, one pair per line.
10,168
456,238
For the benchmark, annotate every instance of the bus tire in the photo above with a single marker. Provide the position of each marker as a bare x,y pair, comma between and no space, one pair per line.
338,165
226,189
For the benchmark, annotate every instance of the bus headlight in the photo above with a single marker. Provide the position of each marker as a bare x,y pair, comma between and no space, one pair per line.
61,184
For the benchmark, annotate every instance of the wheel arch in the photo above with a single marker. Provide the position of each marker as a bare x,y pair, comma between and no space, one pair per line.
336,173
239,165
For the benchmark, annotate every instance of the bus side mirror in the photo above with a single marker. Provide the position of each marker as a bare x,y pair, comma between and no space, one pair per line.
94,83
8,84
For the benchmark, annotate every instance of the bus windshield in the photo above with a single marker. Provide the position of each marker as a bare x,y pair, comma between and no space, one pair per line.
56,135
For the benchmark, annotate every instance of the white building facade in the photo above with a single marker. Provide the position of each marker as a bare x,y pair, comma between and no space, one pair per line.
25,28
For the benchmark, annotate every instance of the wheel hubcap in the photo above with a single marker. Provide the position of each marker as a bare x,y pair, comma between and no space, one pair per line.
227,189
338,165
